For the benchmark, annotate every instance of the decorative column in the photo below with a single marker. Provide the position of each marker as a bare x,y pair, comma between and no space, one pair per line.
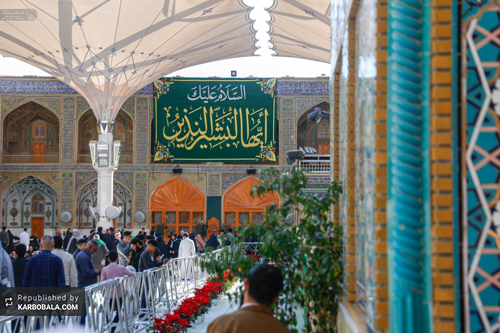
105,157
410,308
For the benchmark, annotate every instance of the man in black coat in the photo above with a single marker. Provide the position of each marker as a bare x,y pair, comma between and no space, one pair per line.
111,241
19,264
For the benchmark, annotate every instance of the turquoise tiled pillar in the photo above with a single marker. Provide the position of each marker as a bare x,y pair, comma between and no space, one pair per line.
410,281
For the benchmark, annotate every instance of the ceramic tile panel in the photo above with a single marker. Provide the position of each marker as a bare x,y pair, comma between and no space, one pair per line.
480,26
365,100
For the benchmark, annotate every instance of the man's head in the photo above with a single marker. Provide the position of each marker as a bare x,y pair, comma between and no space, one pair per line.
127,236
4,227
186,235
107,231
149,237
112,230
230,230
20,250
92,246
263,284
58,242
222,231
152,245
136,243
99,229
143,229
82,243
25,229
47,243
113,256
141,237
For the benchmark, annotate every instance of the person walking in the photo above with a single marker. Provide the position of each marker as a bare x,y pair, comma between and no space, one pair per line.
262,289
19,264
124,248
212,243
73,242
135,254
87,275
99,258
69,264
110,272
192,236
111,240
81,244
200,243
162,247
220,238
24,238
4,238
10,247
45,269
67,237
186,249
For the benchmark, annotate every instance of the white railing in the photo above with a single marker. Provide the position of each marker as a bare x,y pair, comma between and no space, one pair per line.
136,301
315,164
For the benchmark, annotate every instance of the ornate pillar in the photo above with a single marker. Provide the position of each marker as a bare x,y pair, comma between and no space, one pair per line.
408,138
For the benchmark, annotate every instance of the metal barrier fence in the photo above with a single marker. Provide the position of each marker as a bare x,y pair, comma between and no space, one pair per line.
129,304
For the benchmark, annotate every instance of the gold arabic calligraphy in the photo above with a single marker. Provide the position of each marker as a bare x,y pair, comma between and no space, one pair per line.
217,126
217,93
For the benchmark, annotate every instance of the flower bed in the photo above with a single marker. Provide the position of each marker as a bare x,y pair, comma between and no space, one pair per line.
191,308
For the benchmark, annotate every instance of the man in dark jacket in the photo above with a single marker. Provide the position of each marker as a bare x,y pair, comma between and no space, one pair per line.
111,240
146,260
135,254
19,264
87,275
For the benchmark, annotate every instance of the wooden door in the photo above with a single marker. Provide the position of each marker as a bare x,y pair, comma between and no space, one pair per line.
324,148
37,226
39,152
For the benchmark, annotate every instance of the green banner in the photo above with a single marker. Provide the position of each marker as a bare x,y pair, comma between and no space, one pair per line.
215,120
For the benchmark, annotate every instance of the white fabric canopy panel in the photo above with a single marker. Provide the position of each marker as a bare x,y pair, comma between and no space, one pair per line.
301,29
107,50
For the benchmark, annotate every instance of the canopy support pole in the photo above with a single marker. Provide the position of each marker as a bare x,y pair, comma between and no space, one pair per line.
105,156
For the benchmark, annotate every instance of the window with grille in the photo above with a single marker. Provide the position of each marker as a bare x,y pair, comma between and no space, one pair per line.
39,130
38,204
324,131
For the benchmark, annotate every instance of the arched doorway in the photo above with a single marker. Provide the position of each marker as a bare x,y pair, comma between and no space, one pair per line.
87,131
88,198
177,204
31,135
30,203
313,134
239,206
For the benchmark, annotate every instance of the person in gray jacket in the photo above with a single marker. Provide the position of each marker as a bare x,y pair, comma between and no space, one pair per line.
99,258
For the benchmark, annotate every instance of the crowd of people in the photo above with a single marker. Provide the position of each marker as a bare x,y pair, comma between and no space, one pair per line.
70,259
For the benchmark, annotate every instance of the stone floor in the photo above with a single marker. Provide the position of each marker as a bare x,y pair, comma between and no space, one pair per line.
224,306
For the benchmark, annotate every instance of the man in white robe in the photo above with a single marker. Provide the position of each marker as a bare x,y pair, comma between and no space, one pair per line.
186,249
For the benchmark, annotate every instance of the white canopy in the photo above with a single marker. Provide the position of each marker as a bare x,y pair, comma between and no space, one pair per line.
301,29
107,50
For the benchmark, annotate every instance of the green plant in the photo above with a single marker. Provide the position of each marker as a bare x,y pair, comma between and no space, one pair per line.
202,228
309,255
160,229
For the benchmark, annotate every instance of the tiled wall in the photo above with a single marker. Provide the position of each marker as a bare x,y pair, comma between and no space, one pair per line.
481,145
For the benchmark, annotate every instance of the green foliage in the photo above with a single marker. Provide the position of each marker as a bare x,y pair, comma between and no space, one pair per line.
309,255
202,228
160,228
